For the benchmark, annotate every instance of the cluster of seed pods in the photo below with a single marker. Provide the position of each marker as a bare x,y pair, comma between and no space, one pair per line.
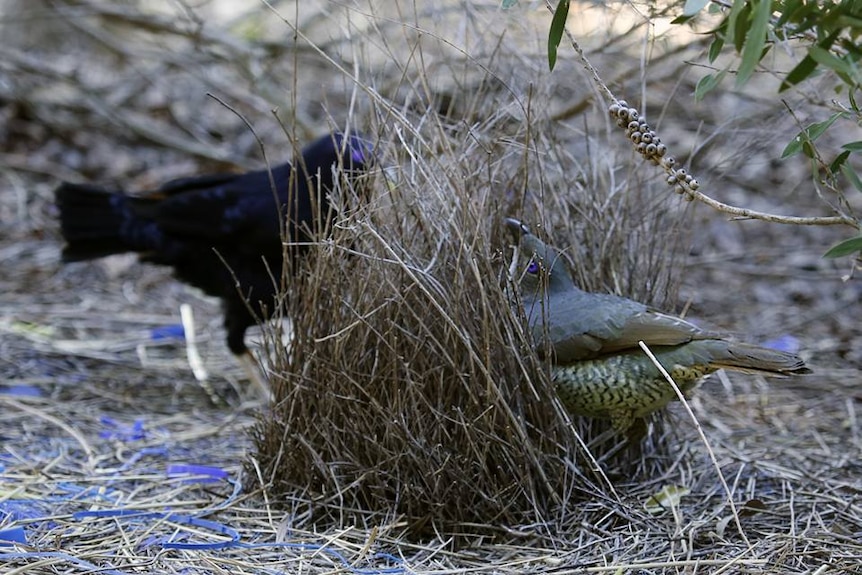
648,144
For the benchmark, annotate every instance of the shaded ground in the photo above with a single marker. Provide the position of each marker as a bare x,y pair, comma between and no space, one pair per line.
97,415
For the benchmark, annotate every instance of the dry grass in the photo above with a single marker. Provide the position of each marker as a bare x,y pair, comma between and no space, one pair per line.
415,432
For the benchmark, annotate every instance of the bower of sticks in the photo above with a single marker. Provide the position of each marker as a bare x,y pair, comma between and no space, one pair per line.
413,429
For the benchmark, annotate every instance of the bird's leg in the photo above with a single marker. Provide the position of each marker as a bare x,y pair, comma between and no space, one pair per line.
253,372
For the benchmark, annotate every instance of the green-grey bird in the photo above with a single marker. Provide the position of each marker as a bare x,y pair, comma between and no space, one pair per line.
599,368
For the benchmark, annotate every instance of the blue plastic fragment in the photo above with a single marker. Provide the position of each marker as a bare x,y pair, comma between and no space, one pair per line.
21,390
205,524
117,430
203,473
21,509
174,518
785,342
100,513
14,535
348,566
173,331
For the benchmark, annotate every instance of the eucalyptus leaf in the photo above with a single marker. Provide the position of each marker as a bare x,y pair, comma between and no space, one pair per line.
555,36
716,45
804,69
830,60
706,84
845,248
808,135
839,161
755,41
739,29
851,176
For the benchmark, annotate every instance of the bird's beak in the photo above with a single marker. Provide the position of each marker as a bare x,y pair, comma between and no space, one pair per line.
528,243
517,227
524,237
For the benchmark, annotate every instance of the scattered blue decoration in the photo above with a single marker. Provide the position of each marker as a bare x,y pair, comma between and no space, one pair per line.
233,539
21,390
141,453
121,432
201,473
14,535
785,342
219,528
23,509
86,565
395,570
174,331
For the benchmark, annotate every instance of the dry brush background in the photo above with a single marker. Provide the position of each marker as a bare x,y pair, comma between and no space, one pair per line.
415,431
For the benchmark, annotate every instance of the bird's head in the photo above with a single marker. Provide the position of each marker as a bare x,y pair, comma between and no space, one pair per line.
338,158
337,153
546,267
356,151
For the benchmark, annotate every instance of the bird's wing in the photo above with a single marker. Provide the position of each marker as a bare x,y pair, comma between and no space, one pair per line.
220,208
580,325
654,329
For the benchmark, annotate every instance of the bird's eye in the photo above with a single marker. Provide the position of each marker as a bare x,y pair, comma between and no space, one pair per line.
360,149
533,268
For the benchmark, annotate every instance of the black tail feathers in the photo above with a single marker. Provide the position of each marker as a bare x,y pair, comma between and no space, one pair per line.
92,220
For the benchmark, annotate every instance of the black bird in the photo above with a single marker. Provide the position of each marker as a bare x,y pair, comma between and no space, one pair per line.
219,229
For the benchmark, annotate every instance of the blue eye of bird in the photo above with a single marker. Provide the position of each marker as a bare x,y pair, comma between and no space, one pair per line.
533,268
360,149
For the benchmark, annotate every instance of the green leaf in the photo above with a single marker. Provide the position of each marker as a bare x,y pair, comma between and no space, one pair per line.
808,135
853,146
692,7
787,12
807,65
715,48
555,36
718,41
839,161
755,41
707,83
817,129
851,176
729,23
738,25
830,60
845,248
802,70
847,21
681,19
